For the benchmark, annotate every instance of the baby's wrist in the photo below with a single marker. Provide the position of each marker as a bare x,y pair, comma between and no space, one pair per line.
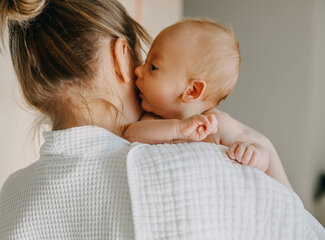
179,125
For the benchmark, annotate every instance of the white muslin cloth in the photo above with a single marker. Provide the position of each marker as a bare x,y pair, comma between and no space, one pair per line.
91,184
193,191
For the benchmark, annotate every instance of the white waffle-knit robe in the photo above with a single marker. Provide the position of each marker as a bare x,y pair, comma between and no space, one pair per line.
79,189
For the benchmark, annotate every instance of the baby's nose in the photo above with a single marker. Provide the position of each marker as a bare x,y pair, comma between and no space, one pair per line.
139,71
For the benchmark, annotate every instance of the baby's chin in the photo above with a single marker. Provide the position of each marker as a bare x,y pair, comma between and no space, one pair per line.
145,107
148,109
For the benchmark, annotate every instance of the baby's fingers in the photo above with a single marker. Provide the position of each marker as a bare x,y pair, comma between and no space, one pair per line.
201,120
258,161
204,125
248,155
231,151
254,159
240,150
201,132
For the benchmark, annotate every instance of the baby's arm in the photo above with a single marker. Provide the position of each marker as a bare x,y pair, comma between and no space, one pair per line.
249,147
152,130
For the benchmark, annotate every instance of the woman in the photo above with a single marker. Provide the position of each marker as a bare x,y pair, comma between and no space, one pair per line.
75,64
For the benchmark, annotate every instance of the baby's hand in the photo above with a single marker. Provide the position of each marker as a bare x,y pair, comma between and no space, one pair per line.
252,155
197,127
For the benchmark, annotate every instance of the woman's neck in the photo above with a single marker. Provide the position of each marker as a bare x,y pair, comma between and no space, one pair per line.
97,114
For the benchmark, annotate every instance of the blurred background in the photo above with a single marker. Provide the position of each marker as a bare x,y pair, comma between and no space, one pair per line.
279,91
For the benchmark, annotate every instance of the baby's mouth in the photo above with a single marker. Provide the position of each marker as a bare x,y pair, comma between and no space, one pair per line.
139,93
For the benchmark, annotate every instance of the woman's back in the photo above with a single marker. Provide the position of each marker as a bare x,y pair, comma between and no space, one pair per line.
74,61
77,190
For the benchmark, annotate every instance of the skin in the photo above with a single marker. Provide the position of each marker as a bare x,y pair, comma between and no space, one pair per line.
115,84
168,92
162,79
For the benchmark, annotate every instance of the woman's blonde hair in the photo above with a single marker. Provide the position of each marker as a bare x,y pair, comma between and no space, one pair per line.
54,45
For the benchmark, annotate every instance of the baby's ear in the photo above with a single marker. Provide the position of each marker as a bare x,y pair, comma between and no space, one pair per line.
194,91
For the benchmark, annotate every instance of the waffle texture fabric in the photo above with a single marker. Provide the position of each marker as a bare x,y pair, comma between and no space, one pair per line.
193,191
78,189
91,184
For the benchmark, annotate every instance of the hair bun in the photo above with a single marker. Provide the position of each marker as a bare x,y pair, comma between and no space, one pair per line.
24,10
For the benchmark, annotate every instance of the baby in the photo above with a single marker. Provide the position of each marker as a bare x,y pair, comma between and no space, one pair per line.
191,67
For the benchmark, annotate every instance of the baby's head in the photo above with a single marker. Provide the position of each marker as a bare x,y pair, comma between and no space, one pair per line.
191,66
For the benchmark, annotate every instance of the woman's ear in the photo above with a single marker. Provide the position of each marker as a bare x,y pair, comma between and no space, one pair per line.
194,91
123,60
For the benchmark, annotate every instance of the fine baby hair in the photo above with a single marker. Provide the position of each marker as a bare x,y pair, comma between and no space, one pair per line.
217,57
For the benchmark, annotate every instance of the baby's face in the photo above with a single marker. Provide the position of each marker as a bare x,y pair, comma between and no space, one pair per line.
162,78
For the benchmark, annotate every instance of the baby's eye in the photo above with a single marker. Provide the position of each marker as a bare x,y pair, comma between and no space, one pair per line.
153,67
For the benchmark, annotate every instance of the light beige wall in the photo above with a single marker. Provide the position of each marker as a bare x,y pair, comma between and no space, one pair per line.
17,147
158,14
280,87
155,15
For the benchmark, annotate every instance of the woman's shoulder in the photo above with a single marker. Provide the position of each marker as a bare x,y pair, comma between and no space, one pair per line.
17,180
